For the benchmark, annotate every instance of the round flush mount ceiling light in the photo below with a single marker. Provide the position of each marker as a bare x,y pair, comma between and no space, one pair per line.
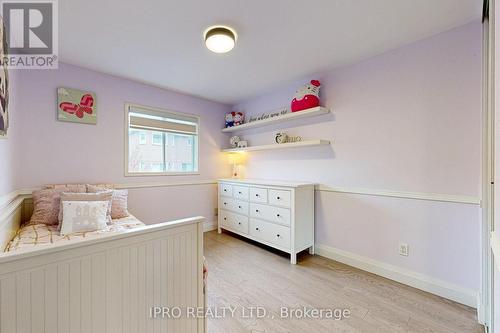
220,39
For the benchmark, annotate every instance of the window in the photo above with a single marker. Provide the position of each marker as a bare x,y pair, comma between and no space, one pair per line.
157,167
173,148
142,138
157,139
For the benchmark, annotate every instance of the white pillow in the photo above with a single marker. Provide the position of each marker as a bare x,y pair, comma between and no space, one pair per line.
81,216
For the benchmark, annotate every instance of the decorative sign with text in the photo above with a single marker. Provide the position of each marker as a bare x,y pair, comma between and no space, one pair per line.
272,114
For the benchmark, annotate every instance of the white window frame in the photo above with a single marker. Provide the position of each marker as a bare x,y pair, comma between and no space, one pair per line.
165,173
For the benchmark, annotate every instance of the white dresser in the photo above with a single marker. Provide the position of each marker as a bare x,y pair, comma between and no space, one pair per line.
275,213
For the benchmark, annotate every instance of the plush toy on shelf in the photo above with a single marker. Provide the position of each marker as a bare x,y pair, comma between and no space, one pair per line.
238,118
306,97
229,119
234,118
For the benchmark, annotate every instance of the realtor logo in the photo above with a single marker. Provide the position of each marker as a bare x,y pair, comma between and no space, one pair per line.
31,34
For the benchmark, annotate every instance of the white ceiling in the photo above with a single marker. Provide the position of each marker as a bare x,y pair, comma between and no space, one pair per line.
160,41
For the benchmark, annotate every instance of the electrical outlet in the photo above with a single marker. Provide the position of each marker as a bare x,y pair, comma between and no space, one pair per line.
404,249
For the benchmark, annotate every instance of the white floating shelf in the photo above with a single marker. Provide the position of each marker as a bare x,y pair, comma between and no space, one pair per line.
308,143
319,110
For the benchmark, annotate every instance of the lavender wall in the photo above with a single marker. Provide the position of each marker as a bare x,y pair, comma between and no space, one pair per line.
408,120
59,152
9,148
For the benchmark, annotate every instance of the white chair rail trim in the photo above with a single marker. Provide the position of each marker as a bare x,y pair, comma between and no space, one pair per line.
463,199
6,199
160,184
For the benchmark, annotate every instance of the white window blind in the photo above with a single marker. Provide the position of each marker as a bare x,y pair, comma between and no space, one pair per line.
162,121
159,155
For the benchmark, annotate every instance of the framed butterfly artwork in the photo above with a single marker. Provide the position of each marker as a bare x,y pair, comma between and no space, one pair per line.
76,106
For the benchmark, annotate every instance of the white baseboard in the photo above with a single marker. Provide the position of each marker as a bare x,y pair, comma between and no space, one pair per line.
481,315
402,275
209,226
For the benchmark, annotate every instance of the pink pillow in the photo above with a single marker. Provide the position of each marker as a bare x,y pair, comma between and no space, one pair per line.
74,188
119,204
46,205
102,187
119,201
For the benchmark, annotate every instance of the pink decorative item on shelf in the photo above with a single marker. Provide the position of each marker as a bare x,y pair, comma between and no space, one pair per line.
238,118
306,97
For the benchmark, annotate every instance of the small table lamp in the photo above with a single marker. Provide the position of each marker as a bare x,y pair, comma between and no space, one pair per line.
235,159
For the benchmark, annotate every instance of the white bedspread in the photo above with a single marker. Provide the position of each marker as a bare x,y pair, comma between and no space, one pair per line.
32,235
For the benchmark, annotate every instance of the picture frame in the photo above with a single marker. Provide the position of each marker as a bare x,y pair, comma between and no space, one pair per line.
77,106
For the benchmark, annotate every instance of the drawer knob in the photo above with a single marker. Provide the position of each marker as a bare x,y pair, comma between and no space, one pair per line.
257,229
225,203
239,223
239,207
278,198
278,235
239,192
278,215
256,210
225,219
256,195
225,190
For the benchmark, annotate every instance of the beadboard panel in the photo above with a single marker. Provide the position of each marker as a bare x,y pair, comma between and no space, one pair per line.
106,286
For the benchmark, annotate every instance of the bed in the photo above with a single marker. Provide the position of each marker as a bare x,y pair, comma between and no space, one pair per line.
107,281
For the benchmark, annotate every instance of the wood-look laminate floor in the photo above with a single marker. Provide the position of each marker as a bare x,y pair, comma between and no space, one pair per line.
244,274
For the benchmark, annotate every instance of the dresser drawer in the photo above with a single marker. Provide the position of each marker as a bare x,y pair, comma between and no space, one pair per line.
234,205
240,192
279,198
258,195
226,190
269,232
270,213
224,218
239,223
233,221
240,207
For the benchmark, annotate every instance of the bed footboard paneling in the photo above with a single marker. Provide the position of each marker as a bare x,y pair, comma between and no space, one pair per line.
106,285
